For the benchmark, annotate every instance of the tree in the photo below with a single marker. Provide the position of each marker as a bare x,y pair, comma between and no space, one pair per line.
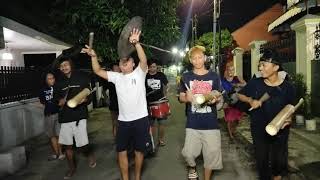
107,18
206,40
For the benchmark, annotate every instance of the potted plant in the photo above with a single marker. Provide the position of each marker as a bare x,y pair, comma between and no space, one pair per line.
301,92
309,118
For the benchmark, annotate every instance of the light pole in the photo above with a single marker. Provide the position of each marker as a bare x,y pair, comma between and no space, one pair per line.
216,14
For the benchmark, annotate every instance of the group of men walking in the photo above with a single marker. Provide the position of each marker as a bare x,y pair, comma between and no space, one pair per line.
138,86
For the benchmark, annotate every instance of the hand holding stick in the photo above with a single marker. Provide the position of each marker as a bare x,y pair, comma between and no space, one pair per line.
91,36
189,95
79,98
263,98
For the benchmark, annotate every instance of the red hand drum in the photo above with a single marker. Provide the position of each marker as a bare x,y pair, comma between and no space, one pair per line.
159,109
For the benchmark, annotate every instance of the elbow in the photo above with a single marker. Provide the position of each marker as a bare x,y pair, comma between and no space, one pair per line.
240,96
96,70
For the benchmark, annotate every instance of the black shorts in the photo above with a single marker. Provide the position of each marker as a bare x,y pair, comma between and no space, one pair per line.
135,132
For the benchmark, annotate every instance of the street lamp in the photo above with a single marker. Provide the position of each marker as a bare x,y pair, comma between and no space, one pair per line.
174,50
7,55
216,14
182,54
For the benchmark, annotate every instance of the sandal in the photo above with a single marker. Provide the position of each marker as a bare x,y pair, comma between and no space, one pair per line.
192,174
161,143
52,157
69,174
62,157
93,164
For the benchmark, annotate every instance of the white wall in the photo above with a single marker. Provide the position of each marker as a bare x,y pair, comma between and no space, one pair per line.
18,59
20,121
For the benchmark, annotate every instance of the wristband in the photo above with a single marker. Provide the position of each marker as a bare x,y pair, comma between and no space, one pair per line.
134,42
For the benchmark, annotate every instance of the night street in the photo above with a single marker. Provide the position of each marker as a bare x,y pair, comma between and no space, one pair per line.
233,87
168,163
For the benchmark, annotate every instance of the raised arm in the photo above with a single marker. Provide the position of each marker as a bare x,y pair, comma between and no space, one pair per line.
134,39
95,64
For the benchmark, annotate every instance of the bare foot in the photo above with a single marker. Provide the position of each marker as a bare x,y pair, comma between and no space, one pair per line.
69,174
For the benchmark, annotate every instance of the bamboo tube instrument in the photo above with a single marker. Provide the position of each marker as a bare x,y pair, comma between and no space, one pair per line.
204,98
72,103
274,126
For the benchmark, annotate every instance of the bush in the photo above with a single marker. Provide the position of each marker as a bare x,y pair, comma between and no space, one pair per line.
301,90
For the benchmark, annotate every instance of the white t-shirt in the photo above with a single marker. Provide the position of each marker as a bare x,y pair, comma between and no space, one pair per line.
131,93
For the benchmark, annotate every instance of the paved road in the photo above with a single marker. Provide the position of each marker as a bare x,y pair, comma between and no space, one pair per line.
167,164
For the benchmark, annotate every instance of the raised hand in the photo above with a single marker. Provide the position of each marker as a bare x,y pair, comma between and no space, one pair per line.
89,51
134,36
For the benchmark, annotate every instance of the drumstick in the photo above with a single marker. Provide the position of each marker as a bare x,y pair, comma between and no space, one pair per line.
263,98
91,36
164,97
185,84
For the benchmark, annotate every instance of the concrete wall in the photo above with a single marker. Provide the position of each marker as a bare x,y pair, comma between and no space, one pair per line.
18,59
20,121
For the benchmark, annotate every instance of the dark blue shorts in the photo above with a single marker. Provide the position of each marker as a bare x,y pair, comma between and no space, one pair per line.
134,133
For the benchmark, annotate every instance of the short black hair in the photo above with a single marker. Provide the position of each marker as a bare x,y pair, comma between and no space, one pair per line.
151,61
44,76
64,58
271,56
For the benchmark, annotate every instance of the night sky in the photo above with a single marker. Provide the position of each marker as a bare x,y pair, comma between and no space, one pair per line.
234,13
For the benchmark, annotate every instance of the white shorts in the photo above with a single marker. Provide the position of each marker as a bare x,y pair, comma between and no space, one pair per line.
70,130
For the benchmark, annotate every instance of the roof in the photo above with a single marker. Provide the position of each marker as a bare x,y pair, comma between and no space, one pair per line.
256,29
293,10
19,36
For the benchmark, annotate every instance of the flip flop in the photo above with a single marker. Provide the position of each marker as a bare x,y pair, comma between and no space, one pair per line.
162,143
69,174
93,165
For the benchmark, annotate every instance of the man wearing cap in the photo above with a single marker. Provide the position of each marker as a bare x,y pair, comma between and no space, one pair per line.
73,120
271,152
133,123
202,130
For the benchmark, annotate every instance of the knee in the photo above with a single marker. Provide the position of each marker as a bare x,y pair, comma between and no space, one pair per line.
86,150
188,154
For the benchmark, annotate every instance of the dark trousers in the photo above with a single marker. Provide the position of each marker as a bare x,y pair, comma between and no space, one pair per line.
271,154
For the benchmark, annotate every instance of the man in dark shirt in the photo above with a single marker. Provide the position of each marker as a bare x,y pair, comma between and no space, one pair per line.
73,120
202,130
52,126
156,87
271,152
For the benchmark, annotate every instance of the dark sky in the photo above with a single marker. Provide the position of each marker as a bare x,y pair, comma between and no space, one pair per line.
234,13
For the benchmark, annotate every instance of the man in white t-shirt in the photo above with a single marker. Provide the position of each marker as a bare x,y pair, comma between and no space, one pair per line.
133,114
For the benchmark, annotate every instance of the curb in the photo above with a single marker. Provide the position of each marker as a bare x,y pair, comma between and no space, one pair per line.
305,138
